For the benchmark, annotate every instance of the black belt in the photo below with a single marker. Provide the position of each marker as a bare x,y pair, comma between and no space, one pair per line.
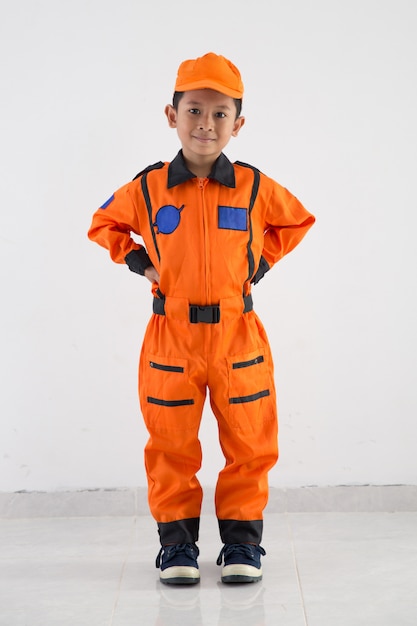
209,314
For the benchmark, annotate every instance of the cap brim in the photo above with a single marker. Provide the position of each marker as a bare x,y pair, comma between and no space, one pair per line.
209,84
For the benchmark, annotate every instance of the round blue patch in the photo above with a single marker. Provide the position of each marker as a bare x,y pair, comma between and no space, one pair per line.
167,219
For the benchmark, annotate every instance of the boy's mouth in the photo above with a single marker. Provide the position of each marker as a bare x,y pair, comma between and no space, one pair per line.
203,139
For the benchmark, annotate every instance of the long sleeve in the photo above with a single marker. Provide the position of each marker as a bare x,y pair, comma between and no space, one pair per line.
287,222
112,226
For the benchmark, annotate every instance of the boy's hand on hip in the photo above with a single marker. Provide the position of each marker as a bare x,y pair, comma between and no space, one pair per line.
151,274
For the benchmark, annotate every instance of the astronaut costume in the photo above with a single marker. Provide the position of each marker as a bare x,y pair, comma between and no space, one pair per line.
210,239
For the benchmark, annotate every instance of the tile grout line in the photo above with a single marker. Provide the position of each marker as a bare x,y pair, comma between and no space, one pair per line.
300,587
122,572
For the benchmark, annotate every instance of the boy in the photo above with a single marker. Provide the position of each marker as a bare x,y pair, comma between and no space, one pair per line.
210,230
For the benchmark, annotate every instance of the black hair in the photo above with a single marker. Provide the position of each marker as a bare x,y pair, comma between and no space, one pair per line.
179,94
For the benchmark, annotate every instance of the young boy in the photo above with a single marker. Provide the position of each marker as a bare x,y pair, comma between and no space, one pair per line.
210,229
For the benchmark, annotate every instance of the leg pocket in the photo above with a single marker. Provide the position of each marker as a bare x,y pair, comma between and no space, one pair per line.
251,389
168,400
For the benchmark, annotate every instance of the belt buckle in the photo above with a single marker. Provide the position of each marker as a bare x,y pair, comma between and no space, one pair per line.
205,314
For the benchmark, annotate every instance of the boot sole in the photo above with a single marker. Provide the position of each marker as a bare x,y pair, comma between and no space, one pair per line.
240,573
180,575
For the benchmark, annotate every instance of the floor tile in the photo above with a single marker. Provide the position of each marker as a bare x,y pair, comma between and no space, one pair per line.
357,566
60,537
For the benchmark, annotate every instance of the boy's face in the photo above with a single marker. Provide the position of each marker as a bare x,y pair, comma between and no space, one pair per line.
205,122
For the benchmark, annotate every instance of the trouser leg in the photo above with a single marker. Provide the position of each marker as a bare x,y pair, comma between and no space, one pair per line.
171,400
243,399
174,492
242,487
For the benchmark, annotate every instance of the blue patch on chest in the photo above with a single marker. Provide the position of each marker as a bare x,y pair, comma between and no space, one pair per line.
233,218
167,219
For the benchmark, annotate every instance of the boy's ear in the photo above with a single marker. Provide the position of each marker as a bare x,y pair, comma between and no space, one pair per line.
237,126
171,114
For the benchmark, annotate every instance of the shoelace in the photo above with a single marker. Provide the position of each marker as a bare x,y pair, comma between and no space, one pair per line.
189,549
246,549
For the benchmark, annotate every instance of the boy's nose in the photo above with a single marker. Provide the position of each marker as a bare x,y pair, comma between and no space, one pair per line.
205,123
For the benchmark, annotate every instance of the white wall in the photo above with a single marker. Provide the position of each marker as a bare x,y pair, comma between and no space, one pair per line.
331,103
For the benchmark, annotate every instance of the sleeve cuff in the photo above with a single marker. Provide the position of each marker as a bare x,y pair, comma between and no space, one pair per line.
138,260
261,271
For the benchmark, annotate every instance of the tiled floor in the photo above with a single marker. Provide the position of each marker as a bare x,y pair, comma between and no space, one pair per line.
321,569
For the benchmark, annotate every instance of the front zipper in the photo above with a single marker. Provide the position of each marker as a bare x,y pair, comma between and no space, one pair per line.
202,182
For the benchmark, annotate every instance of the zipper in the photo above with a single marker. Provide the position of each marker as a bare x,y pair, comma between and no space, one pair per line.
166,368
255,361
202,182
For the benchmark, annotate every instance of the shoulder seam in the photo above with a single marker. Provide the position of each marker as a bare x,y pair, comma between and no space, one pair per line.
155,166
252,167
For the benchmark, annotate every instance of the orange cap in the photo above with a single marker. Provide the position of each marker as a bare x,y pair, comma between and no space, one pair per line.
211,71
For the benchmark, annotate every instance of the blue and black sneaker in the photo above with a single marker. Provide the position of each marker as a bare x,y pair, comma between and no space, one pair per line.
242,563
178,563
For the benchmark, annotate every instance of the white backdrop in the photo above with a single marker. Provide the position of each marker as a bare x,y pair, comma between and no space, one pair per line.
330,106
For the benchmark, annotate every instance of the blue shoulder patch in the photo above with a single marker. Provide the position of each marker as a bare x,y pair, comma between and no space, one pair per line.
233,218
109,201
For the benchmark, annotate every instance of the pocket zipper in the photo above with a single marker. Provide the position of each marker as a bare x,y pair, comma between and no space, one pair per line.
166,368
255,361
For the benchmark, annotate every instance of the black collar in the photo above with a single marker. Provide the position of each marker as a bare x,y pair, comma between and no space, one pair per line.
222,171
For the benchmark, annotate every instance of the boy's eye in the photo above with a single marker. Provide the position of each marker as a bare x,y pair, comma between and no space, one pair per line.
219,114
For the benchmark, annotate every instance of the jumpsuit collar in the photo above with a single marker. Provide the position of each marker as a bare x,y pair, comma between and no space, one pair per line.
222,171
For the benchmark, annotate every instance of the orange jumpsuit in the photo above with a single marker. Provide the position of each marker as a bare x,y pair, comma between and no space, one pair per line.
210,239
